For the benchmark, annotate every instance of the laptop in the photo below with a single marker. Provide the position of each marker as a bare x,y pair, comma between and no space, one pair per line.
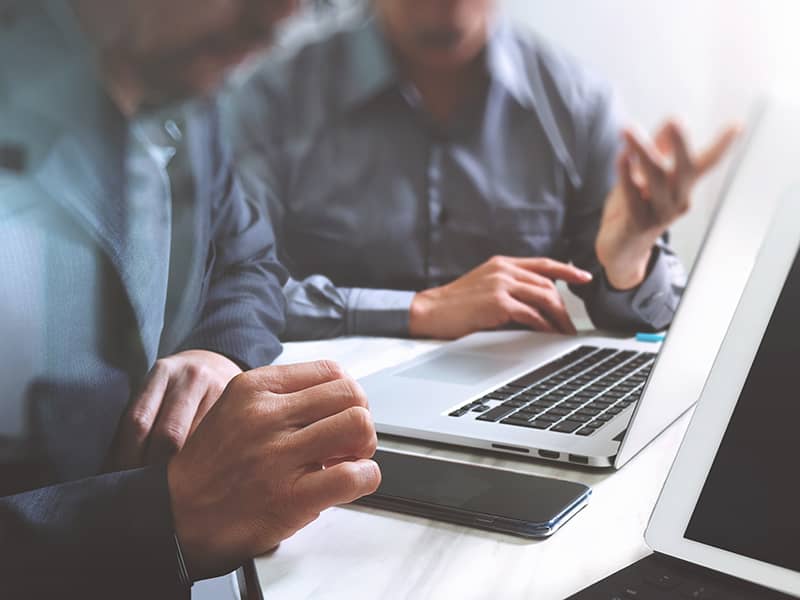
727,523
592,400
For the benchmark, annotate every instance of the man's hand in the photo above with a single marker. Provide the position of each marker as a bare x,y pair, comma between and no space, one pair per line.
654,190
281,445
176,395
503,290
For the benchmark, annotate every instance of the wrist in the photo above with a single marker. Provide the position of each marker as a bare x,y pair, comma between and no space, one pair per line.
419,314
187,544
626,265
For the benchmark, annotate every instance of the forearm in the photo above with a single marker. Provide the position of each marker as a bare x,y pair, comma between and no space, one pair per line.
242,319
317,309
108,536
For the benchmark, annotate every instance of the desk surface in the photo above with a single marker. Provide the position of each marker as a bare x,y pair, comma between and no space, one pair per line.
357,552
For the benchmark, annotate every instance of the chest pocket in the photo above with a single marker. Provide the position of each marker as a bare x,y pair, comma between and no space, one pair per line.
532,230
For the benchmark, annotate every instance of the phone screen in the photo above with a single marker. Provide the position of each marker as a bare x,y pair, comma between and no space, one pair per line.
476,489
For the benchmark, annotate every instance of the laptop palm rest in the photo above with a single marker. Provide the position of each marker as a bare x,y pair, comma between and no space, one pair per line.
459,368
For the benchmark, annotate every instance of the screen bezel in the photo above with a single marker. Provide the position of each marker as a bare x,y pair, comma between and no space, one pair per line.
680,494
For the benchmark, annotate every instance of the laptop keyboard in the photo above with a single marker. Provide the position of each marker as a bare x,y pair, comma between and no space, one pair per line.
576,393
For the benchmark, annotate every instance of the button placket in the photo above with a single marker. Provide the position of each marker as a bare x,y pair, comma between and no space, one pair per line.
435,213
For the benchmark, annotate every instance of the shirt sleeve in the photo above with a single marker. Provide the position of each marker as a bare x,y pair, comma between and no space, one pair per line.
316,307
110,536
650,306
244,312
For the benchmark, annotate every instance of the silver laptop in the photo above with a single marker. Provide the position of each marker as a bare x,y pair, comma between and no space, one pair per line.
726,524
589,400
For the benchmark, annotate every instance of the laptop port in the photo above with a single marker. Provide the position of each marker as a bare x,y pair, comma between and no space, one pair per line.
577,458
549,454
511,448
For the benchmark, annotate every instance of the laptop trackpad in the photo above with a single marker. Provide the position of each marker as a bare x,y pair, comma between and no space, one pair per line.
456,367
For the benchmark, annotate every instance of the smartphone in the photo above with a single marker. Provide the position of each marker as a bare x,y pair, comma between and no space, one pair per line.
477,496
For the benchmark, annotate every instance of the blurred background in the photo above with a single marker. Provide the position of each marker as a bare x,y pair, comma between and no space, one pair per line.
704,61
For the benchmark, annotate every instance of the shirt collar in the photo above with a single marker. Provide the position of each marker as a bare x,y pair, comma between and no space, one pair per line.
371,68
506,65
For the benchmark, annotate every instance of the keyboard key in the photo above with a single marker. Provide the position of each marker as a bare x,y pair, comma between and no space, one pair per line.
580,418
549,417
567,426
480,408
584,431
561,412
516,420
699,592
663,581
497,413
460,412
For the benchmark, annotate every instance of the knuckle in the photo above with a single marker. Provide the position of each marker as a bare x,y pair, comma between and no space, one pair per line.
497,262
500,299
331,369
360,422
170,438
353,393
140,422
353,479
197,372
161,367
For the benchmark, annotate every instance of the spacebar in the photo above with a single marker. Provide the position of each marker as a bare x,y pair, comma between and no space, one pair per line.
497,413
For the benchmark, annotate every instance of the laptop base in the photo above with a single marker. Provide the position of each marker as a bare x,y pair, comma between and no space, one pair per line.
661,577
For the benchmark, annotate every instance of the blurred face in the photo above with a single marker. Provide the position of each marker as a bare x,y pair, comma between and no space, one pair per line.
174,49
438,34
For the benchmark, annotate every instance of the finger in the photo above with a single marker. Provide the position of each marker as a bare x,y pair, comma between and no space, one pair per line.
685,171
322,401
287,379
340,484
650,158
137,423
213,394
553,269
528,277
349,433
655,171
625,170
663,139
708,159
175,418
549,303
524,314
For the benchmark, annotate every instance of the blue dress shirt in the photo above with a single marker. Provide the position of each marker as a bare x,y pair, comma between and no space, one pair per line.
371,200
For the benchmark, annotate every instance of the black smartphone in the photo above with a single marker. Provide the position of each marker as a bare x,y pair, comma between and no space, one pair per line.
477,496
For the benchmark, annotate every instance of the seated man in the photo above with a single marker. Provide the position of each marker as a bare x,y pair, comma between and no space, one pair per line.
457,167
126,246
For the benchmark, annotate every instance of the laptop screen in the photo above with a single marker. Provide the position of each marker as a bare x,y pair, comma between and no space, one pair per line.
750,502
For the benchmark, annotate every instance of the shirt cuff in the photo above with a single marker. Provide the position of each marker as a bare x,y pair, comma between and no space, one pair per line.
651,305
378,312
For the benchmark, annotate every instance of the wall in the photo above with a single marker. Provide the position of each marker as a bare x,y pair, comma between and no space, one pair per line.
705,61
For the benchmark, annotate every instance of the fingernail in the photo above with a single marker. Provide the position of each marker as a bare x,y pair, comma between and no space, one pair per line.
585,275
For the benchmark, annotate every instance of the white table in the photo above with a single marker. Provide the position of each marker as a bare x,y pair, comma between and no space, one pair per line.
354,552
